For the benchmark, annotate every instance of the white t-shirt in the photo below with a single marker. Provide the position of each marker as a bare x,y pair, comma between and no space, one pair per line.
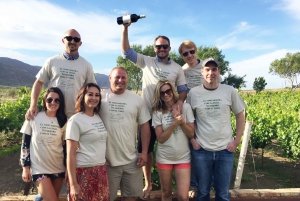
176,149
120,114
193,75
153,71
68,75
46,150
91,135
212,109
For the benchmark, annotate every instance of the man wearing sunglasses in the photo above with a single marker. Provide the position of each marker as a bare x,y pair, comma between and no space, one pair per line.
154,69
68,71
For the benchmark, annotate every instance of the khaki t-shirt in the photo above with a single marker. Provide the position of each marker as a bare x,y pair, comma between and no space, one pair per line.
193,75
153,71
68,75
176,149
46,151
120,114
91,135
212,111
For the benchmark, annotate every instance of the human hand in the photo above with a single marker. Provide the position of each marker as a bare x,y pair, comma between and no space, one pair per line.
31,112
142,159
126,25
232,146
26,174
178,106
195,144
179,120
75,192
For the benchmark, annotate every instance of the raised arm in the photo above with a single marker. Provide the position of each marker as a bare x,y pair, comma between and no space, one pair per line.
124,38
35,93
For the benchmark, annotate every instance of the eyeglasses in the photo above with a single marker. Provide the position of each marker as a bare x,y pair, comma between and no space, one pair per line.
161,46
168,92
187,53
70,38
49,100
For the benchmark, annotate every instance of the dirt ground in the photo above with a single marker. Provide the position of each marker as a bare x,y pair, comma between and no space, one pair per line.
276,172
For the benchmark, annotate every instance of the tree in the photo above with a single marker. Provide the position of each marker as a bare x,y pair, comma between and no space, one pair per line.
259,84
287,68
234,80
135,74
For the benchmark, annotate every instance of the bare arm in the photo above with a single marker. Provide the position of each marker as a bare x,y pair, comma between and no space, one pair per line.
240,124
71,169
35,93
188,129
163,136
124,38
145,138
179,103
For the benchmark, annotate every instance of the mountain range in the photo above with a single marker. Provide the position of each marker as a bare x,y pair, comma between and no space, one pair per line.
16,73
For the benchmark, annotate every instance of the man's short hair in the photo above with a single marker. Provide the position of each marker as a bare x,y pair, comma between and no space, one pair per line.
210,60
164,37
187,44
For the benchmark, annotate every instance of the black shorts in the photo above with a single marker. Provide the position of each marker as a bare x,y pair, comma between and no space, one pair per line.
40,177
152,139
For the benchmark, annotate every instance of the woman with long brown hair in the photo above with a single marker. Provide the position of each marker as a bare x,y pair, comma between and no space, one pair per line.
86,146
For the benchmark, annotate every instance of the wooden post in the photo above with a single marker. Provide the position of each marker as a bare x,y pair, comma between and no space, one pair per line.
241,163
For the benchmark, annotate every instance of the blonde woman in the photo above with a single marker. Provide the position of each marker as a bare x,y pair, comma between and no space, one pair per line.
173,131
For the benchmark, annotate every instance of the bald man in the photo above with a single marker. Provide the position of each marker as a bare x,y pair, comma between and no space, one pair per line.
68,71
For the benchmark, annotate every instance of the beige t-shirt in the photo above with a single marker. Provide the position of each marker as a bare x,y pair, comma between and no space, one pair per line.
176,149
193,75
68,75
212,111
91,135
46,150
153,71
120,114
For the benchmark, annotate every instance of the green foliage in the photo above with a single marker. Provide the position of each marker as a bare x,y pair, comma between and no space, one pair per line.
287,67
12,113
259,84
275,115
234,80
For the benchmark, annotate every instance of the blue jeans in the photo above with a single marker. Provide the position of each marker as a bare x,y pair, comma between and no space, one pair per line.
217,165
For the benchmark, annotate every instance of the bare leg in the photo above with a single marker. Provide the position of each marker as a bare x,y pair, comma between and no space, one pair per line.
57,184
147,172
182,177
46,189
165,177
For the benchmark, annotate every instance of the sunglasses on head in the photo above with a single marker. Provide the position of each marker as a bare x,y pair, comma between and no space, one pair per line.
70,38
187,53
49,100
168,92
161,46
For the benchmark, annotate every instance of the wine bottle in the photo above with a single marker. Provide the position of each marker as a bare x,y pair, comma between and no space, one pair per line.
126,18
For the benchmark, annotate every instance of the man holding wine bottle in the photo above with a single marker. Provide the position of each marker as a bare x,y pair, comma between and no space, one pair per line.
154,69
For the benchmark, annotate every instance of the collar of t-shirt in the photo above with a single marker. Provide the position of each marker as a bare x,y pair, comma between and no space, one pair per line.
71,57
159,60
209,89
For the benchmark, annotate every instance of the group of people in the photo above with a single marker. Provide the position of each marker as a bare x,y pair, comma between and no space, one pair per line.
88,136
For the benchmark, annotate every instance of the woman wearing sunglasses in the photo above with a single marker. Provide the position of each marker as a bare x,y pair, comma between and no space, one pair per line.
42,151
173,131
86,146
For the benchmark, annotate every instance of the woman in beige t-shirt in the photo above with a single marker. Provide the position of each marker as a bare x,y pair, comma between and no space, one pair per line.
44,137
86,145
173,131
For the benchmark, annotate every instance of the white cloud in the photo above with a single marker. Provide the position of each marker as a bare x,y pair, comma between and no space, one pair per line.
40,25
236,39
259,67
292,7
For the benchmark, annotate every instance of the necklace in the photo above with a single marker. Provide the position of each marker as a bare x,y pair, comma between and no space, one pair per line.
50,118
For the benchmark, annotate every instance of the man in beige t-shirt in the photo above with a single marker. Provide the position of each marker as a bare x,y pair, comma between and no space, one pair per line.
154,69
121,111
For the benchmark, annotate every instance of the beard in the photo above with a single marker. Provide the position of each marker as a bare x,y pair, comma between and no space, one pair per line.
161,58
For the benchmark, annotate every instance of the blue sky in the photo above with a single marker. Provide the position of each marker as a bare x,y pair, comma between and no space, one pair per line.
250,33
